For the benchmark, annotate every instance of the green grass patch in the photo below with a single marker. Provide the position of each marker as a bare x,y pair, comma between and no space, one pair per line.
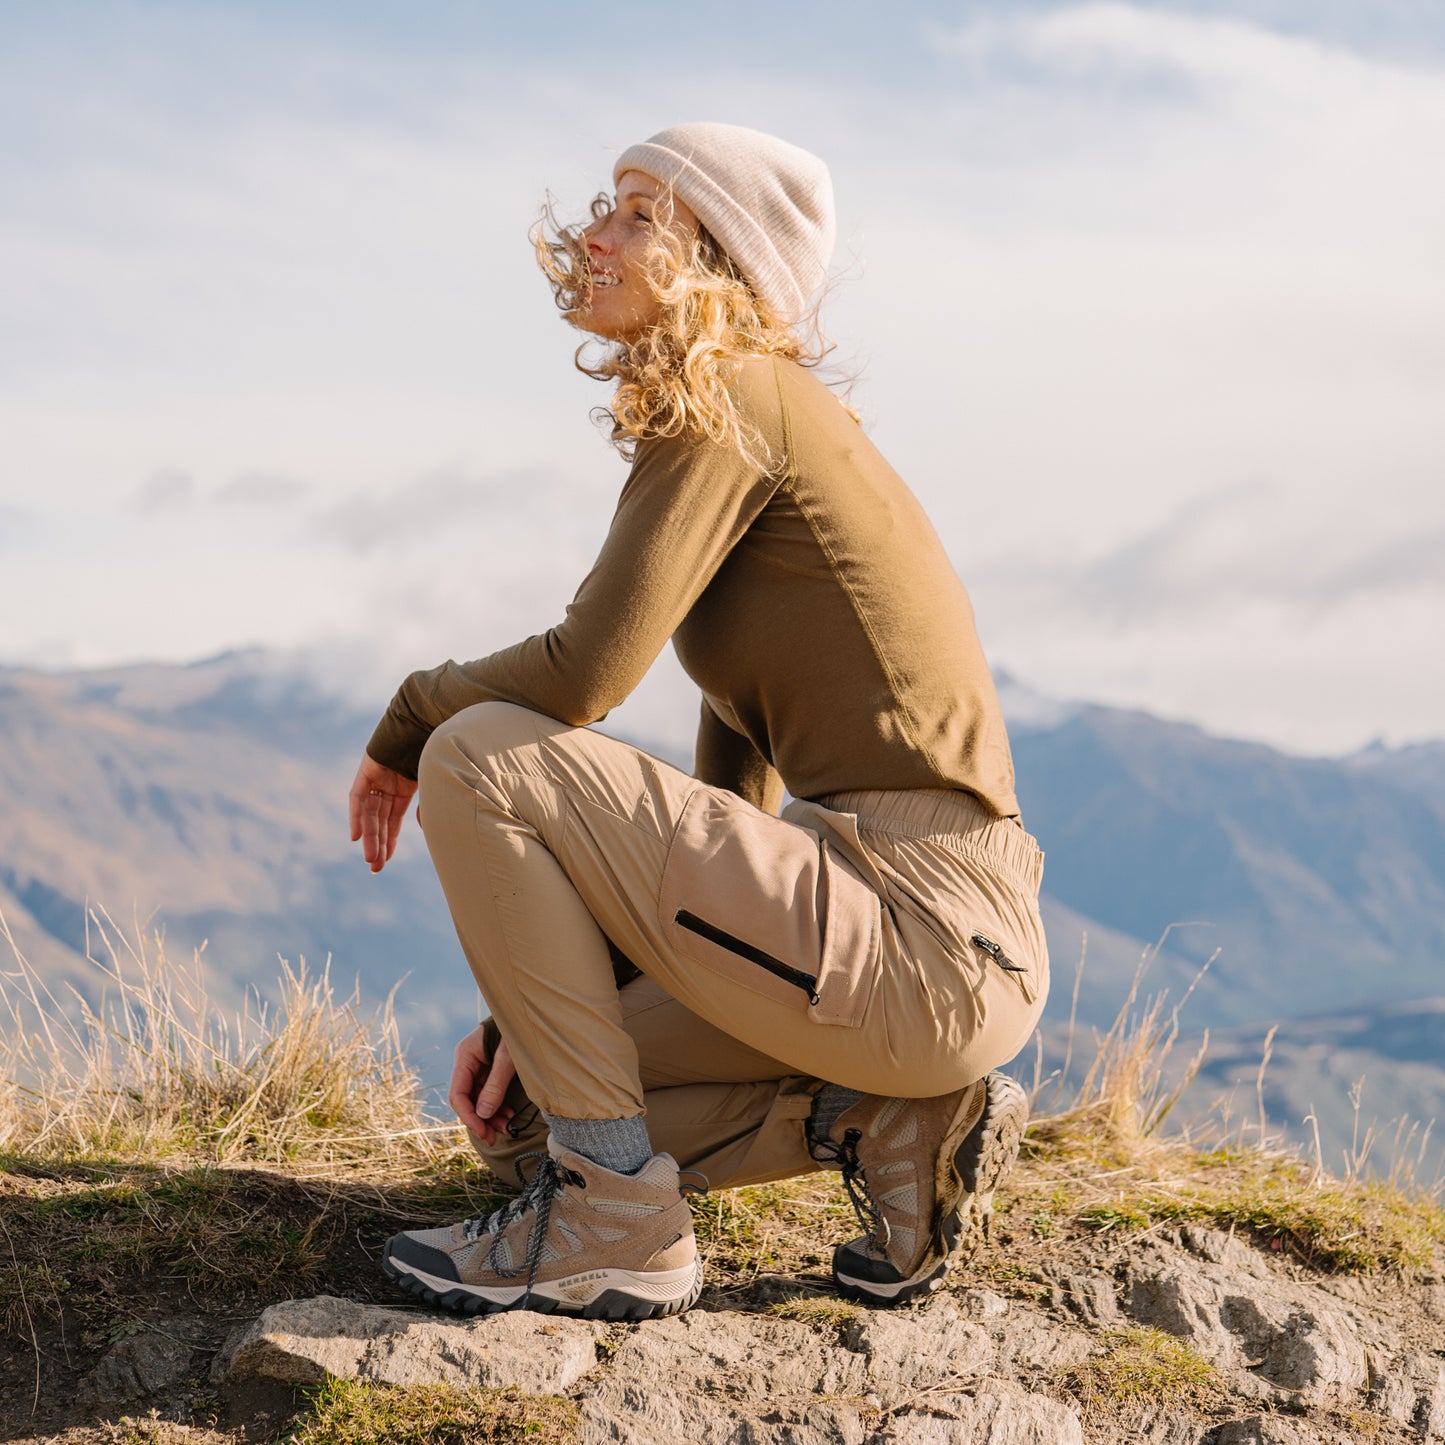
1077,1169
350,1413
1144,1365
1358,1227
781,1228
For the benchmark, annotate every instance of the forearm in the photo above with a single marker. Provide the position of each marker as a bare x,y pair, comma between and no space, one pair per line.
528,675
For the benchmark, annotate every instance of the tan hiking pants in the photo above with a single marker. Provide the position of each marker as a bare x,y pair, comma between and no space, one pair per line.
886,941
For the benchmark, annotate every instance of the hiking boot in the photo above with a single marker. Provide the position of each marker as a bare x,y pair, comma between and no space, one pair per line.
916,1171
579,1240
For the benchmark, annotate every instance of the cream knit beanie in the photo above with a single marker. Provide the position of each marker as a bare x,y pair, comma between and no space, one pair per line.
768,203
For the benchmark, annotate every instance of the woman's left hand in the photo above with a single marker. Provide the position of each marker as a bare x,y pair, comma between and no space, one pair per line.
379,800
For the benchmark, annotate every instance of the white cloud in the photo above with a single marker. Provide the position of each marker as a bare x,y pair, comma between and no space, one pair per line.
260,488
167,489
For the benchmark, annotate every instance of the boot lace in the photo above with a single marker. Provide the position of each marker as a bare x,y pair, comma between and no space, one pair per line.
827,1150
548,1183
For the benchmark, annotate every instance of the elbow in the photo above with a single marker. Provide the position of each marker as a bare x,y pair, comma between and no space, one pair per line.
587,706
584,687
593,692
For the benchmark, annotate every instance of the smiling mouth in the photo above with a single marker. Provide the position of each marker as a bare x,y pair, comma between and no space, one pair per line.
600,279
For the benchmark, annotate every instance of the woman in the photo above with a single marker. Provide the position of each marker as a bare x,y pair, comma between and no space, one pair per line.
832,987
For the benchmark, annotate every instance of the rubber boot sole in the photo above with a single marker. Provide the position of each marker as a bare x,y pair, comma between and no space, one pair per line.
611,1297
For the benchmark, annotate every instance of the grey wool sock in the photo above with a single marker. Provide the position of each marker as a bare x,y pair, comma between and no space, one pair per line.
829,1102
620,1145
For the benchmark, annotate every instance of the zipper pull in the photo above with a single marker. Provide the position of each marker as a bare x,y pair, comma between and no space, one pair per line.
996,953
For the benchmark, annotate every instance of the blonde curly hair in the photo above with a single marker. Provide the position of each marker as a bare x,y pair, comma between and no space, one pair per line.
675,376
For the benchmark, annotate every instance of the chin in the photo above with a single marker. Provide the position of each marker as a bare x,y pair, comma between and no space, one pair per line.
605,330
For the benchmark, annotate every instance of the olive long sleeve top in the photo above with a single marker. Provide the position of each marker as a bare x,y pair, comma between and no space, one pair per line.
812,603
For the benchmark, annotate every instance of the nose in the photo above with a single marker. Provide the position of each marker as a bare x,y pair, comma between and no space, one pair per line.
594,237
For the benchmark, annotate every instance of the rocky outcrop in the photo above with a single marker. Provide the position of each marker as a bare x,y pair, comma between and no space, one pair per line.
706,1377
1280,1341
304,1342
1294,1354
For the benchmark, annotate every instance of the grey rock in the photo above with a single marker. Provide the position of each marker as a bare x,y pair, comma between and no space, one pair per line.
1411,1392
136,1366
1172,1293
982,1304
1090,1294
1012,1417
1313,1352
1033,1342
1430,1411
1276,1339
954,1369
305,1342
721,1379
996,1415
641,1412
921,1349
1217,1246
716,1379
1432,1301
1165,1427
1348,1287
1266,1430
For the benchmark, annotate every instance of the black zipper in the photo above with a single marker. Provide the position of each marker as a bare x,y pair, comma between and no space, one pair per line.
775,966
979,940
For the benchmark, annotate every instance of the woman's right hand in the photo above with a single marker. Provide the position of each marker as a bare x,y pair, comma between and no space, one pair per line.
479,1085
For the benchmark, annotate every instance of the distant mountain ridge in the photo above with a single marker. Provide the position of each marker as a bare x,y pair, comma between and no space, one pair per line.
1320,881
212,799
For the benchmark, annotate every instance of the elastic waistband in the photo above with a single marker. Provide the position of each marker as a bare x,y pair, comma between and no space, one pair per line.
951,818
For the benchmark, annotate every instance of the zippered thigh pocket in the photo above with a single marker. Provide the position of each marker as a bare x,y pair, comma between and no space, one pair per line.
808,982
769,906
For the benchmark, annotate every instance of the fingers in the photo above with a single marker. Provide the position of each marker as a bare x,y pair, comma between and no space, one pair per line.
359,789
464,1109
468,1067
394,815
381,815
377,805
375,825
478,1087
498,1081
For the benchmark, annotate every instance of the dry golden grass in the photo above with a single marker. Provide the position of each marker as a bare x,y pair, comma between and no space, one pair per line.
154,1071
1105,1160
1129,1091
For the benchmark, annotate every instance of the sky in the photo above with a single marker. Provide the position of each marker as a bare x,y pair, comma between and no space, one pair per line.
1145,301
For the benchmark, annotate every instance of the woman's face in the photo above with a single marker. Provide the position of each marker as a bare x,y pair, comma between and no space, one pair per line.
621,305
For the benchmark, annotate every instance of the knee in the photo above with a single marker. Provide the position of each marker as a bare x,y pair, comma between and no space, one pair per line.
466,747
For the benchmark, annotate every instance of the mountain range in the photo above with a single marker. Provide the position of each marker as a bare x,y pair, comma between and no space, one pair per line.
209,800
